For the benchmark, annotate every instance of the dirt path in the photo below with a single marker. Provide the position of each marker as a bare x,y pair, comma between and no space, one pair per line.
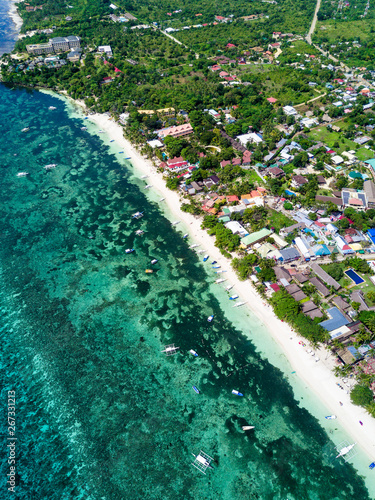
312,27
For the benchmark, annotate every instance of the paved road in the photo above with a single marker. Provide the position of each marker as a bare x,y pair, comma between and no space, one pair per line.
315,18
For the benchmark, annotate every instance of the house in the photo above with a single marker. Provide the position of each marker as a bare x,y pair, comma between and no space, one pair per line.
341,303
298,181
275,172
342,245
105,49
337,159
329,199
211,181
252,138
289,110
322,289
236,228
369,189
289,254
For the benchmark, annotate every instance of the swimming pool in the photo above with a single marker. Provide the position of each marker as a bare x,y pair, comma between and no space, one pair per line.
354,276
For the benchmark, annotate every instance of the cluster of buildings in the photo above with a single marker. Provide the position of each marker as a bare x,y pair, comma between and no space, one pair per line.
55,45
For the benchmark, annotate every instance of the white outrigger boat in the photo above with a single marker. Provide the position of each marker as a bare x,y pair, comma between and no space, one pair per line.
344,451
129,250
26,129
194,353
154,261
144,176
202,462
221,280
162,199
194,246
239,304
170,349
148,186
22,174
229,287
210,318
330,417
185,235
247,427
50,165
139,232
175,223
236,393
52,107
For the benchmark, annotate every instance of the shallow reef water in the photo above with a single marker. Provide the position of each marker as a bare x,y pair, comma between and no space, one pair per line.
101,412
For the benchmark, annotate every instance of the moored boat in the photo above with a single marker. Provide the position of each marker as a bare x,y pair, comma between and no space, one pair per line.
214,262
26,129
22,174
149,271
193,352
247,427
229,287
52,107
221,280
162,199
144,176
239,304
331,417
139,232
50,165
372,465
175,222
216,267
128,158
205,258
210,318
148,186
154,261
194,245
137,215
344,451
83,128
233,297
196,389
236,393
129,250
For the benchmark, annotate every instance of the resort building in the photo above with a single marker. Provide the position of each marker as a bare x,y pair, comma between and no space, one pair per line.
176,131
105,49
57,44
369,189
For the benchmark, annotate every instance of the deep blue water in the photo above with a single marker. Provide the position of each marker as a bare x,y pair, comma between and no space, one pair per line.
101,412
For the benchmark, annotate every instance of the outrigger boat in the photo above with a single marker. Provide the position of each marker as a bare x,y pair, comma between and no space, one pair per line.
372,465
22,174
83,128
234,297
239,304
193,352
50,165
175,222
216,267
196,389
170,349
129,250
139,232
344,451
247,427
148,186
128,158
154,261
112,140
205,258
149,271
236,393
221,280
202,462
221,271
214,262
137,215
52,107
144,176
229,287
210,318
26,129
193,246
185,235
331,417
162,199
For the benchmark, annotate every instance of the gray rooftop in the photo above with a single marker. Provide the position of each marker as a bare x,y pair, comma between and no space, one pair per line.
320,287
324,276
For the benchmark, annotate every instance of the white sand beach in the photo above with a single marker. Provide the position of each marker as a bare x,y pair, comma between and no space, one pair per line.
316,375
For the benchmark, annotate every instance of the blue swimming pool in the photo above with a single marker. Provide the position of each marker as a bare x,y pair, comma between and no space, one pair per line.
290,193
354,276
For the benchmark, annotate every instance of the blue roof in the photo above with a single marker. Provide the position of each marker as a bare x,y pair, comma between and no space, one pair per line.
371,232
338,319
321,250
371,162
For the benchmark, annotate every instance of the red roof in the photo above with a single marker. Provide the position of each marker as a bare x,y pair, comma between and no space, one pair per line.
272,100
229,78
275,287
232,197
231,46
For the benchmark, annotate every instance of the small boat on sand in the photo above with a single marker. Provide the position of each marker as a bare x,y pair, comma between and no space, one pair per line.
175,223
128,158
154,261
229,287
194,246
210,318
162,199
239,304
205,258
112,140
148,186
331,417
196,389
214,262
149,271
129,250
220,280
372,465
233,297
236,393
193,352
247,427
185,235
216,267
221,271
144,176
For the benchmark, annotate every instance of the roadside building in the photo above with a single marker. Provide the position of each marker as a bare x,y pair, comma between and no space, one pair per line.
324,276
369,189
255,237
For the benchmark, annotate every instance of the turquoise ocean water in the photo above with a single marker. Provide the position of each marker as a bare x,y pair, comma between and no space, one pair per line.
101,413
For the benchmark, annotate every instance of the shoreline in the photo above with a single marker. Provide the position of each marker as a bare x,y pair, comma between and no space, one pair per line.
317,377
15,17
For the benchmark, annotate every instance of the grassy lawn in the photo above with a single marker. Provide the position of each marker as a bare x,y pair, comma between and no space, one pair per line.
278,220
336,31
252,176
347,283
323,134
364,154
